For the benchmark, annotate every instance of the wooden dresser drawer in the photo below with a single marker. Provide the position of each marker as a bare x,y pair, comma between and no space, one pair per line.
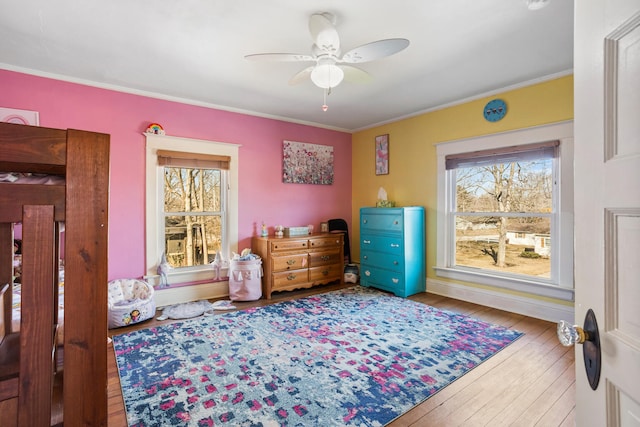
325,243
292,261
289,244
325,273
323,258
287,279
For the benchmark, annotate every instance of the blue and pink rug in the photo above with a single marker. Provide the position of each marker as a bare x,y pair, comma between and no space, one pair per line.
354,357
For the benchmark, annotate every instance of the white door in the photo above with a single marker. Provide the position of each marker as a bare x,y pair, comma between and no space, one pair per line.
607,205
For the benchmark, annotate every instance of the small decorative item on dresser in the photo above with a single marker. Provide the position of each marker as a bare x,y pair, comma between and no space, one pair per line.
296,231
279,230
324,227
310,227
385,204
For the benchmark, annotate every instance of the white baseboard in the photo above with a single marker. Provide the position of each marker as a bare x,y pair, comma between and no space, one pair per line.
538,309
182,294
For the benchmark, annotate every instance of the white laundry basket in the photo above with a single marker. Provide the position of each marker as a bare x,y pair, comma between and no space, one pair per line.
245,280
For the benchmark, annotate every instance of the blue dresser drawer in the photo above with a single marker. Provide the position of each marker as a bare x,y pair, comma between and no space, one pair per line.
388,220
381,243
382,260
391,281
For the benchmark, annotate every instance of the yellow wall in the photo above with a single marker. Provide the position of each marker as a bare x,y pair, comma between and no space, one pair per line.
412,153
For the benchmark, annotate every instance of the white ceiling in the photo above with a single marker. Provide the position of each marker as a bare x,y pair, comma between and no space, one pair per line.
193,51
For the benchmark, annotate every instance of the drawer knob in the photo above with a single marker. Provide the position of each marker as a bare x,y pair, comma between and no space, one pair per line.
395,262
325,257
291,277
366,257
364,221
395,280
291,262
366,242
395,222
367,273
325,272
395,245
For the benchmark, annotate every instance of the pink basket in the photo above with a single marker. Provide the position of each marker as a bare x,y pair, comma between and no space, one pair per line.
245,280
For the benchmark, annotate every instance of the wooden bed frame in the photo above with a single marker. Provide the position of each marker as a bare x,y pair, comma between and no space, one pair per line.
27,365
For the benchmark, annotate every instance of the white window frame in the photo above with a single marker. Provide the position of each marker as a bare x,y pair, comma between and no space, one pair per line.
155,205
561,284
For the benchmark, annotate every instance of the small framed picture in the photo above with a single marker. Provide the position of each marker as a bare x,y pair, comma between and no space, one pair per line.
22,117
382,154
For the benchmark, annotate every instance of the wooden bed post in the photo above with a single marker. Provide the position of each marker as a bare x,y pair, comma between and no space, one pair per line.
86,276
36,375
6,274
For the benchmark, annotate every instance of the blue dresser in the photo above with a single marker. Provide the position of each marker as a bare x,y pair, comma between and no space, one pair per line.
392,249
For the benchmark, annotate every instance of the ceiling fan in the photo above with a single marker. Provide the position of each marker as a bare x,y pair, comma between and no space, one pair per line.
331,66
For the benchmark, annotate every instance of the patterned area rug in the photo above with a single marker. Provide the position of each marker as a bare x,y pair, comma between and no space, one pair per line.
354,357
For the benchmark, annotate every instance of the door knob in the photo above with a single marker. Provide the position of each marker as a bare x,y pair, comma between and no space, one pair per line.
569,334
589,337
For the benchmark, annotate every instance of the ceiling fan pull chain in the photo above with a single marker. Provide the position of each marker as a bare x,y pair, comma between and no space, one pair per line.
325,107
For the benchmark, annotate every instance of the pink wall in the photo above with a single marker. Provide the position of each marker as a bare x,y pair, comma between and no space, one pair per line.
263,196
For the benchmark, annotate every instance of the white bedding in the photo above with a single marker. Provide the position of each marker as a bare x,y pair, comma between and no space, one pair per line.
30,178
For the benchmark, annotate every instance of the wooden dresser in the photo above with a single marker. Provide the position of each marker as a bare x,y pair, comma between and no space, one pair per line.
392,249
299,262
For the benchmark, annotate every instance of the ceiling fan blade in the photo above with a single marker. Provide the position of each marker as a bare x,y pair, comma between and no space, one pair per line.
374,50
323,32
280,57
302,76
355,75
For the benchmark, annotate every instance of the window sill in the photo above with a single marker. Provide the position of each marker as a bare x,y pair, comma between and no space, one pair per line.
189,276
507,282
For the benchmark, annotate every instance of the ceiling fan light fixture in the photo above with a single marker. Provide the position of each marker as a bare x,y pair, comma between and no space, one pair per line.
327,75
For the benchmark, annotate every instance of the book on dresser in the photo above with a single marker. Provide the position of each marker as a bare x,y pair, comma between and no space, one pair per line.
299,262
392,249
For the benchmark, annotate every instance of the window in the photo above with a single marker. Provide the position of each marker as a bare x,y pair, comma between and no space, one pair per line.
194,206
191,205
506,212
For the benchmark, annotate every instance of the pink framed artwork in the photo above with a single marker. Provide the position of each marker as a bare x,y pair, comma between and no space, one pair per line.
382,154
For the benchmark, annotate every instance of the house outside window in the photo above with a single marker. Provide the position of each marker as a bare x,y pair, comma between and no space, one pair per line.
191,206
505,212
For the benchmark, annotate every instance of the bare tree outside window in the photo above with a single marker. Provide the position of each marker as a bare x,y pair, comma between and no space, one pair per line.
503,215
192,215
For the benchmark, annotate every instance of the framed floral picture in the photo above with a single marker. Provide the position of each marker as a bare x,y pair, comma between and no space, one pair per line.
382,154
305,163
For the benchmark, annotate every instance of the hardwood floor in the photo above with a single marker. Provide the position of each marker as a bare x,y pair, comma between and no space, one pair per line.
530,383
